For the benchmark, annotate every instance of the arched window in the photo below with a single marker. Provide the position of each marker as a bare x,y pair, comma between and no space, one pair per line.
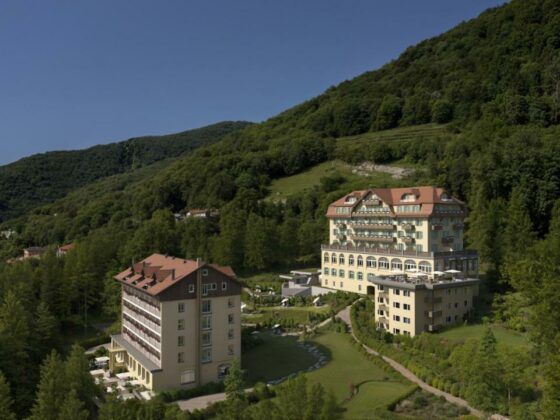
341,259
425,266
341,273
396,264
360,261
370,262
350,259
383,263
326,257
333,272
333,258
409,265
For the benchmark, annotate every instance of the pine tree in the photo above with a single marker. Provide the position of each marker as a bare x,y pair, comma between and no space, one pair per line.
72,408
52,389
78,378
518,234
45,329
6,402
551,398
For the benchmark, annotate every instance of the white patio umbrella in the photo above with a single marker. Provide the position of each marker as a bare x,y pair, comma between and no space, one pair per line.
413,270
452,271
438,273
397,271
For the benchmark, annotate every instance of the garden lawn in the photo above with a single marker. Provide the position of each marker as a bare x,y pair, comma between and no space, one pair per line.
347,364
275,358
503,335
300,314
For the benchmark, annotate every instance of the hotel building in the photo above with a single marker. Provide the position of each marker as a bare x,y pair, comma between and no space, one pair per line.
390,239
181,324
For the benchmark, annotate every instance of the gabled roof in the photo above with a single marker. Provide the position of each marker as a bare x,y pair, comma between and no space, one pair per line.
158,272
426,196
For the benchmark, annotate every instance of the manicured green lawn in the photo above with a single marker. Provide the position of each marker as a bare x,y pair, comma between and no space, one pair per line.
503,335
347,364
373,395
277,357
300,314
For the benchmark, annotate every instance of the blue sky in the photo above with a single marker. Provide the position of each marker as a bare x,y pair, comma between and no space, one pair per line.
79,73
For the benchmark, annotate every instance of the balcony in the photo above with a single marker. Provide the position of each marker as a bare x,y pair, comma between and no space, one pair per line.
447,239
383,294
408,227
382,239
142,320
383,320
373,226
408,239
437,227
340,225
151,309
383,307
434,314
142,336
372,202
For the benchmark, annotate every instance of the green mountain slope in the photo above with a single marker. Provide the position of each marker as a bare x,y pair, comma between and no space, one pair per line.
42,178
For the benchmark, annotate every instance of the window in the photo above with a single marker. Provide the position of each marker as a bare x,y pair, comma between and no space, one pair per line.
406,306
206,355
230,318
205,272
205,289
206,322
406,320
359,287
456,305
230,334
326,271
224,285
360,261
148,378
396,331
230,350
326,257
223,370
180,324
370,262
448,319
406,292
181,340
206,306
341,273
350,259
341,284
407,333
341,259
360,276
350,274
213,286
207,338
191,288
383,263
333,258
380,300
181,357
396,305
396,291
466,303
396,264
396,318
180,307
418,235
230,303
333,272
187,377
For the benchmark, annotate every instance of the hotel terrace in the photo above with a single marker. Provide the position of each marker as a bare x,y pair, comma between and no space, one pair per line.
404,240
181,323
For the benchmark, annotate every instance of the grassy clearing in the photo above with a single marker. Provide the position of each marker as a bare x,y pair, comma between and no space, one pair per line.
270,280
416,132
503,335
347,365
275,358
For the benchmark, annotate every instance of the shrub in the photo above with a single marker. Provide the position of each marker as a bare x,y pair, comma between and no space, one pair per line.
183,394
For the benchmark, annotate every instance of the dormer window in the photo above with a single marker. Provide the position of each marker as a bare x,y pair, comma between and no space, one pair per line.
445,197
407,197
350,199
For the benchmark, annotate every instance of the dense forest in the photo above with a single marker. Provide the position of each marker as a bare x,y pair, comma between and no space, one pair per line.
43,178
494,81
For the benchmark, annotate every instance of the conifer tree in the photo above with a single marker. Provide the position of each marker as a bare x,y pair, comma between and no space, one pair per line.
78,377
72,408
45,329
6,402
52,389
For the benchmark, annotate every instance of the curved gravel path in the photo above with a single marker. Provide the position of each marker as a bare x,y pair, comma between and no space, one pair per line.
344,315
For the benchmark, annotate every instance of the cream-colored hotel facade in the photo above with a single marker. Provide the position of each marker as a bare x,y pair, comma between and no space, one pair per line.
394,243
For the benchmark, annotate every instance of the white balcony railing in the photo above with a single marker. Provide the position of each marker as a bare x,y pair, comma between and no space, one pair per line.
139,303
150,325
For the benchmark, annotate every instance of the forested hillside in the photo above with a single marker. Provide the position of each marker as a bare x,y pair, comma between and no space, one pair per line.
42,178
494,81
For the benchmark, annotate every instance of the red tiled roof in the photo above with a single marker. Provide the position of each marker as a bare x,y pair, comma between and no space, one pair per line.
66,248
427,196
157,272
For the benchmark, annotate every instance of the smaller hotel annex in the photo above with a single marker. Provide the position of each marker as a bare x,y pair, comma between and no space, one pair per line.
181,324
405,245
